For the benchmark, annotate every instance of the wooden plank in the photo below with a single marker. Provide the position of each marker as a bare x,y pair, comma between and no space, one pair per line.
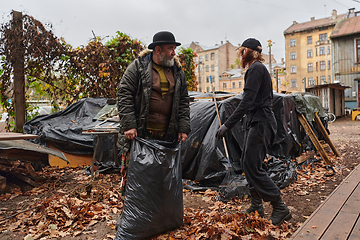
355,234
327,211
343,223
16,136
325,134
314,139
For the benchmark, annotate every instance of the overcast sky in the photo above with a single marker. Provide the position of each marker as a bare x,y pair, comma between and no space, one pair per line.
206,21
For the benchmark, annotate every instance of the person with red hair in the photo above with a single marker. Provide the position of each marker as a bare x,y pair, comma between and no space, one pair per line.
260,125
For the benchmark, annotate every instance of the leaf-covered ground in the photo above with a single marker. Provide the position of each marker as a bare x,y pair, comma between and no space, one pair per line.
69,205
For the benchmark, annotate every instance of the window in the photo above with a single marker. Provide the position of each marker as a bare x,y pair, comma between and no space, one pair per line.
212,56
240,84
309,40
207,79
279,82
317,66
311,82
207,57
322,37
358,50
207,89
213,79
322,65
207,68
199,89
200,68
322,51
212,67
328,51
310,67
292,42
224,85
293,83
200,59
309,53
293,69
199,80
329,79
329,65
316,51
234,85
323,79
292,55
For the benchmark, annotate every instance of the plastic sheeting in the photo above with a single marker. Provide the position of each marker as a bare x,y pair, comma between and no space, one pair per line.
64,128
153,196
203,155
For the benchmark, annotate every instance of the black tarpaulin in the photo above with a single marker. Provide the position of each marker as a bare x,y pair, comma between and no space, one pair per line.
64,128
203,155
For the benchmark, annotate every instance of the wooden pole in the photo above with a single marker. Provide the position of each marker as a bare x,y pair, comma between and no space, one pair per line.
19,78
314,139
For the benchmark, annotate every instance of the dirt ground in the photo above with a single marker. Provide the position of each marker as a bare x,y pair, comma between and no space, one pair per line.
302,197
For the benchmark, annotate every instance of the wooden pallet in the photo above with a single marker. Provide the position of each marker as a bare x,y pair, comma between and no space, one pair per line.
318,145
338,217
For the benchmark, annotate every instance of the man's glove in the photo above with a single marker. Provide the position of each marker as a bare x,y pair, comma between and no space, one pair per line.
221,132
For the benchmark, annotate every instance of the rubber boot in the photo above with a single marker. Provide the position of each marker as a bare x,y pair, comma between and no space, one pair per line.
280,212
256,204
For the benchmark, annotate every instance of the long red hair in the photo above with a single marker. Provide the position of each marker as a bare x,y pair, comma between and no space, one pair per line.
250,56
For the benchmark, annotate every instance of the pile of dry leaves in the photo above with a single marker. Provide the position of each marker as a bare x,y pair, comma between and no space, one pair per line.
70,203
67,209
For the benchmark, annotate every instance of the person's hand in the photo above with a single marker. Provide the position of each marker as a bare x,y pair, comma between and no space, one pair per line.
131,133
182,137
221,132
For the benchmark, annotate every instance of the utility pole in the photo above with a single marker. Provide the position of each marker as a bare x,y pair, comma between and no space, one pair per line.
19,79
277,81
304,81
270,43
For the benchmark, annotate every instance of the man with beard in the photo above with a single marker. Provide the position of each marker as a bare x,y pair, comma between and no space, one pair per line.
152,97
260,125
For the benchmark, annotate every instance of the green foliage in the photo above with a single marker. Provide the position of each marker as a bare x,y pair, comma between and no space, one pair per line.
56,71
186,56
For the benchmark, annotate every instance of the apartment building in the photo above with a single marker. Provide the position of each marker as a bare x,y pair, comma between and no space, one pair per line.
308,52
233,80
211,62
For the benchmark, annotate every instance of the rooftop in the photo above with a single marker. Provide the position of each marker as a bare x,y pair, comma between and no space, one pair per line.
346,27
313,24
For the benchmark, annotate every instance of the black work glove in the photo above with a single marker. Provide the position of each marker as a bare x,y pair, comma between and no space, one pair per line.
221,132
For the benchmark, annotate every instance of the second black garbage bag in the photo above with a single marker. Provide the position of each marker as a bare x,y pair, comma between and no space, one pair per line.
153,197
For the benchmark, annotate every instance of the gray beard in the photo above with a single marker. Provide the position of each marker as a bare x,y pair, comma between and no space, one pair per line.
166,62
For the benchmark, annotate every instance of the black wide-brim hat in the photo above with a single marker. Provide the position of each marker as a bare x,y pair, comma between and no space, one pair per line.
162,38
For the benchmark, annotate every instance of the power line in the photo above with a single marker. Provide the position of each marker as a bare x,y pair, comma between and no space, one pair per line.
279,7
342,4
356,1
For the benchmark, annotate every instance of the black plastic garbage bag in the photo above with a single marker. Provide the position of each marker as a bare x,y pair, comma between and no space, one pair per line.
153,196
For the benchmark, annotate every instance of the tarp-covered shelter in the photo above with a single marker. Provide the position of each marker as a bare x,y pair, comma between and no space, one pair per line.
203,158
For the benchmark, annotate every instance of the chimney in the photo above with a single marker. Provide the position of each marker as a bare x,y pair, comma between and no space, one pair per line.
222,42
351,13
295,22
312,18
282,61
334,14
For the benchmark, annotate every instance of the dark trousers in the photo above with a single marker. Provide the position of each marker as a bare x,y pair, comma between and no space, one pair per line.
259,136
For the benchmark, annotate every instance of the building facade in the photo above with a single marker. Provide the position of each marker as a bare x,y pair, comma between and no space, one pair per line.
346,58
308,53
233,80
211,62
